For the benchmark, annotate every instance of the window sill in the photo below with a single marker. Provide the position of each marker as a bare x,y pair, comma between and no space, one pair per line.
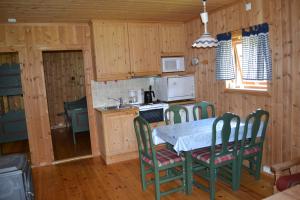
247,91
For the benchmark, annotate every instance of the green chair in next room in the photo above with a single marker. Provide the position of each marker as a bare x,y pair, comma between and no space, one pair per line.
155,160
201,110
174,112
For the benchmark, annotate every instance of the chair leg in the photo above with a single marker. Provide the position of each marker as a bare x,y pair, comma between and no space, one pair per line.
143,176
251,165
258,166
212,183
157,184
239,170
235,175
74,138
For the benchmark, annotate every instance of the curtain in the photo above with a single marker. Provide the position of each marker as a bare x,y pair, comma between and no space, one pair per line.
224,60
257,62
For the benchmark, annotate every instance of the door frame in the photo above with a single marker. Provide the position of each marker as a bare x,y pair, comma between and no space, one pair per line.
88,77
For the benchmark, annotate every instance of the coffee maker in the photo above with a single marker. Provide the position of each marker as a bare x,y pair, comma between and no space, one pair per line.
148,96
132,94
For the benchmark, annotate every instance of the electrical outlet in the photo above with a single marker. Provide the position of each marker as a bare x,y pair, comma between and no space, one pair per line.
11,20
267,169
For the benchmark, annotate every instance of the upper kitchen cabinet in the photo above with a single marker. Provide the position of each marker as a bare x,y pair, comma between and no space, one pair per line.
144,48
172,39
111,50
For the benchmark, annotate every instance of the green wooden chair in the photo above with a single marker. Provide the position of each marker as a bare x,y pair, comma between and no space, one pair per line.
175,110
251,149
200,110
154,161
222,159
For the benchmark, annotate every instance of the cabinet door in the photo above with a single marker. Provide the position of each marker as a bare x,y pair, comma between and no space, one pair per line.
144,48
120,135
172,39
111,53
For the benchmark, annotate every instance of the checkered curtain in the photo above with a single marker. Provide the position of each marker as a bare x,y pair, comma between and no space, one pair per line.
224,60
257,62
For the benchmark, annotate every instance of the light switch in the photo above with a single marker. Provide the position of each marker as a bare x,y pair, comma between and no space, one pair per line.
248,6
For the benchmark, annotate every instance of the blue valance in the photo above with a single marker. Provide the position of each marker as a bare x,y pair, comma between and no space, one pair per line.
261,28
224,36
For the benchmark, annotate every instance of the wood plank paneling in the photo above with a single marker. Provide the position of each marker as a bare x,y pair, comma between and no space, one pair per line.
282,141
29,40
64,76
83,11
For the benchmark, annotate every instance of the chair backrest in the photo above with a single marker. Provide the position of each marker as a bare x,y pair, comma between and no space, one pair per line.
144,138
226,122
201,109
79,119
256,122
175,110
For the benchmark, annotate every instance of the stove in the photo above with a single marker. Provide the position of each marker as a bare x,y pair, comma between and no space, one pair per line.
152,106
154,112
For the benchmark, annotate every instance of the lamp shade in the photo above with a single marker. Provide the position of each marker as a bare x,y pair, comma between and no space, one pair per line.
205,41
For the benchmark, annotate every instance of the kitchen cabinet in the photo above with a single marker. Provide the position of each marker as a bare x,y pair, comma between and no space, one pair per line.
118,139
172,39
144,48
123,49
111,50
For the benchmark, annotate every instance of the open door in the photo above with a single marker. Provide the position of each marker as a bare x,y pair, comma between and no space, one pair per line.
67,106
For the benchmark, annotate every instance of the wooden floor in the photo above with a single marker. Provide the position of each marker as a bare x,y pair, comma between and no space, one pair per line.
63,146
90,179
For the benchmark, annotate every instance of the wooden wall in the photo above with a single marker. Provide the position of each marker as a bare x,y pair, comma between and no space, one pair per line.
9,58
283,102
64,76
29,40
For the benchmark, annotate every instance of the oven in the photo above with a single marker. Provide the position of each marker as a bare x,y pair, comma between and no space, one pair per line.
153,112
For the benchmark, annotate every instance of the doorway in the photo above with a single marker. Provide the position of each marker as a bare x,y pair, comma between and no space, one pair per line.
67,106
13,129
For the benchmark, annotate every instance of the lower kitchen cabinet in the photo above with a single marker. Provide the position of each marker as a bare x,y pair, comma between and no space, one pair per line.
118,140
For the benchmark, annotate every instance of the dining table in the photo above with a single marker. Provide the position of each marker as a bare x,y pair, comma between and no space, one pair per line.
188,136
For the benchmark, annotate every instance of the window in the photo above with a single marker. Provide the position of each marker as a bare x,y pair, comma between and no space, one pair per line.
238,82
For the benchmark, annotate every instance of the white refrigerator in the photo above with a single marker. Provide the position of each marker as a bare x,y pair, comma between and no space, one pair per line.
174,88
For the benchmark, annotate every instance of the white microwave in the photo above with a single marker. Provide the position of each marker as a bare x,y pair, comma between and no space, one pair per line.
174,88
172,64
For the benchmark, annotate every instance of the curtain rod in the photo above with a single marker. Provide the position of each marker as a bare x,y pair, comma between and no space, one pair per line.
236,31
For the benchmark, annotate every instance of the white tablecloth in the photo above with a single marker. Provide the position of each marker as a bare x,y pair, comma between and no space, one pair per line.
194,135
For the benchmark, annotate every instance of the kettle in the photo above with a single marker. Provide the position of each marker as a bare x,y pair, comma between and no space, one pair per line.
148,95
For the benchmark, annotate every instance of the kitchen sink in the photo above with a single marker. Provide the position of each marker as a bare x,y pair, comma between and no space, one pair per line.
117,107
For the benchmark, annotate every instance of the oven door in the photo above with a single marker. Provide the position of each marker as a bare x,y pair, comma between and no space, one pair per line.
153,115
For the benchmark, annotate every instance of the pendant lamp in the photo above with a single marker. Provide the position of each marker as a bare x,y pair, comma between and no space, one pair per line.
205,40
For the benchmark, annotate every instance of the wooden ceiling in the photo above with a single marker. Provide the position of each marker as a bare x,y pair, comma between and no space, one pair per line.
85,10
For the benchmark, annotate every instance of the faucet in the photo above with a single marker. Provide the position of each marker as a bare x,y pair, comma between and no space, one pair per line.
118,99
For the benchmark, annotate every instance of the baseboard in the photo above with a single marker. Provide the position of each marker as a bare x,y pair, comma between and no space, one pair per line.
71,159
120,157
